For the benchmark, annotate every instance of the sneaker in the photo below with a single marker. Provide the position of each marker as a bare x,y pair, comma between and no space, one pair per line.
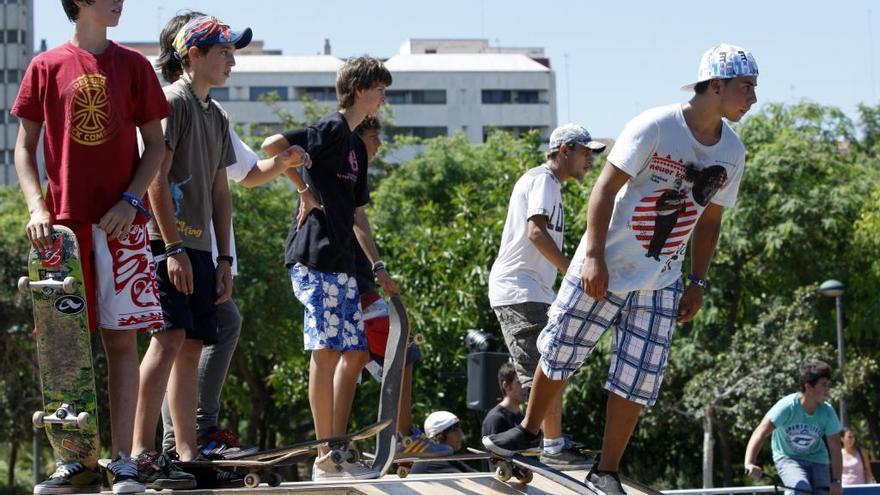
124,475
158,471
357,471
324,468
223,443
70,477
419,445
512,441
604,482
565,459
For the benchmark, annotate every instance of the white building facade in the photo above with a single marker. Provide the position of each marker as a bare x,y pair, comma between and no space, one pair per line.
16,34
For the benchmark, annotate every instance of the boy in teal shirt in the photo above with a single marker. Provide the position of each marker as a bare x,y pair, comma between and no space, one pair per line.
798,423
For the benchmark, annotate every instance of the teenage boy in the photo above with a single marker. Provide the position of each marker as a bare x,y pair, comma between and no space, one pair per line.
522,277
507,413
92,94
248,171
612,283
443,428
320,257
189,193
805,428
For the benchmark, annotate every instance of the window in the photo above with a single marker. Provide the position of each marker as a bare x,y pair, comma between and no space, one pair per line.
527,96
519,96
12,36
491,96
516,131
424,132
220,94
260,92
321,93
416,97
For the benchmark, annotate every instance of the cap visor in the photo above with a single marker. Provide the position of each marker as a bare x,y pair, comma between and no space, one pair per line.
241,39
596,146
689,87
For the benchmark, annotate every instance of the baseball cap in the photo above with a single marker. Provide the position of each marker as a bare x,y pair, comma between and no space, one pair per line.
439,421
573,134
724,61
206,30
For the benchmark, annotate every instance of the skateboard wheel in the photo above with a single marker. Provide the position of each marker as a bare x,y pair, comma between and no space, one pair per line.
407,440
275,479
402,472
503,472
69,285
24,285
525,477
337,457
82,420
352,455
38,419
252,480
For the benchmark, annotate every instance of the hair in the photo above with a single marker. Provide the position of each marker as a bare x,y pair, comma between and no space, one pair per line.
370,123
72,9
506,374
701,87
169,63
812,371
358,74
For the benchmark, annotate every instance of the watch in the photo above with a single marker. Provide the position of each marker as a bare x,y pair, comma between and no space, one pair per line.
699,281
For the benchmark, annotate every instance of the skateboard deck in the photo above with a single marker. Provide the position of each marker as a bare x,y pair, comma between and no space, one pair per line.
64,349
392,378
405,463
263,465
506,468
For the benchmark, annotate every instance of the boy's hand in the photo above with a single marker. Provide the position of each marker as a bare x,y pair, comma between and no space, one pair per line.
594,277
388,286
39,230
754,471
180,272
224,282
117,220
294,156
690,303
307,203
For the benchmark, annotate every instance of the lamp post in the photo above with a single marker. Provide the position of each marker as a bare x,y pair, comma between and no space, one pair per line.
835,289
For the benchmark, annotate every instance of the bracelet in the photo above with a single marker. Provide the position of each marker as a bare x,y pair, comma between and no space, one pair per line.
303,190
174,251
378,266
228,259
137,203
172,245
699,281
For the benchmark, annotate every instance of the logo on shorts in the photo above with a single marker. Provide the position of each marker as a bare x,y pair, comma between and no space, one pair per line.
70,305
90,115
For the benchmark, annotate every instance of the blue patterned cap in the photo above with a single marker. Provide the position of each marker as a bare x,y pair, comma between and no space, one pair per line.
724,62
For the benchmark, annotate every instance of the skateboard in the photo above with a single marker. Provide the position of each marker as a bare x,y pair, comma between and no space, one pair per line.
405,463
264,465
505,469
64,349
392,377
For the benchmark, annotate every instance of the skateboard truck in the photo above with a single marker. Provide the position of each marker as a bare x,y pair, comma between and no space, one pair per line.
64,415
68,285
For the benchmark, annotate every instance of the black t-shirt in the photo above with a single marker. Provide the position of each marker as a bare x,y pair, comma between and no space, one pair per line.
363,270
500,419
338,179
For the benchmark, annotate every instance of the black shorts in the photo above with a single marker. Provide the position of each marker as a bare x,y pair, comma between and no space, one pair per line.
195,313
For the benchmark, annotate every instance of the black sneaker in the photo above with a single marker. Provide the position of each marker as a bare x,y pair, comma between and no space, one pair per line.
224,443
215,477
70,477
512,441
565,459
124,476
604,482
158,471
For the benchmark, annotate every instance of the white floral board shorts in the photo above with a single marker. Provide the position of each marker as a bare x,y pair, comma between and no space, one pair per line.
643,324
333,317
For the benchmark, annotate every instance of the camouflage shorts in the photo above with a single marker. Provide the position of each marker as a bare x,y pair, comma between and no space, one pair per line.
521,324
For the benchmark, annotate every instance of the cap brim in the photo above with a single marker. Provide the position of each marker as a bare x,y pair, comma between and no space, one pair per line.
596,146
690,87
242,38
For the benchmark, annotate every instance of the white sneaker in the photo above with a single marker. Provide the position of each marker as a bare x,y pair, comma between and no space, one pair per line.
358,471
324,469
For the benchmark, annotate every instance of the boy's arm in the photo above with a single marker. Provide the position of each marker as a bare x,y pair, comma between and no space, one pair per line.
39,227
836,462
222,218
594,273
268,169
118,219
365,238
537,232
756,442
274,144
706,234
179,267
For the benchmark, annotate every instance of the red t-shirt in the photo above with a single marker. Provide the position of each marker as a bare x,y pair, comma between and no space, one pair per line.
90,105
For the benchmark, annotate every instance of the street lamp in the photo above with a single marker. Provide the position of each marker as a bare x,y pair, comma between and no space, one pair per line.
835,289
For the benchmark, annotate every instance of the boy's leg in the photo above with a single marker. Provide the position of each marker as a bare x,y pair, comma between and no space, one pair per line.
155,370
820,478
123,384
355,352
544,395
214,365
794,475
183,396
322,367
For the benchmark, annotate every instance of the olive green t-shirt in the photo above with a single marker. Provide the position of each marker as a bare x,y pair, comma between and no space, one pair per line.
200,142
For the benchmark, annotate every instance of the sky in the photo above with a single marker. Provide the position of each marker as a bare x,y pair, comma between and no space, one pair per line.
612,59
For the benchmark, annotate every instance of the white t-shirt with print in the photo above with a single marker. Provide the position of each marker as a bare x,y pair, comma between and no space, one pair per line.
520,272
673,179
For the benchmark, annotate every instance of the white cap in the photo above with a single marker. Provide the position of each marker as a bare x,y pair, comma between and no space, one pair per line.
439,421
573,134
724,62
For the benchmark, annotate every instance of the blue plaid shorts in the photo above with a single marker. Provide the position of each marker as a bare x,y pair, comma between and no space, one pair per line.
643,324
333,318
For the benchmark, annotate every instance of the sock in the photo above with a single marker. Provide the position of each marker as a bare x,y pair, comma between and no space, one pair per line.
553,445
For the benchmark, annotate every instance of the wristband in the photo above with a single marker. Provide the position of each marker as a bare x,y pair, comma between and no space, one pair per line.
175,251
137,203
172,245
378,266
303,190
225,258
699,281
